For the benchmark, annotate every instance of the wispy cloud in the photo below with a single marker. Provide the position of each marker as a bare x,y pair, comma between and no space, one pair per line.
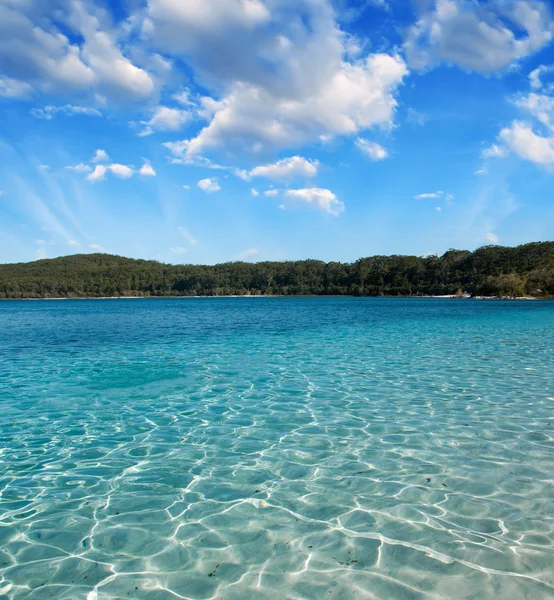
438,194
80,168
248,254
49,112
185,233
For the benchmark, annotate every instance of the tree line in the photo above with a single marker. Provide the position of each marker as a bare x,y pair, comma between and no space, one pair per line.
488,271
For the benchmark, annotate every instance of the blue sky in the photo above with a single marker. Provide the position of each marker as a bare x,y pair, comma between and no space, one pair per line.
204,131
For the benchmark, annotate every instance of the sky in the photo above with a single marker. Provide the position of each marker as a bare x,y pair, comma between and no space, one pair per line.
207,131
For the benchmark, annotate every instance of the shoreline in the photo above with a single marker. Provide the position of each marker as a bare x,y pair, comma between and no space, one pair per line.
443,297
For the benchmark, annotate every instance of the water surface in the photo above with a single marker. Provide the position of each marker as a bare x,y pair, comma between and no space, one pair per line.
280,448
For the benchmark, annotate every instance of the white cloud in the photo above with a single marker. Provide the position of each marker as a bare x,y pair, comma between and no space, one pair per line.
41,253
96,247
483,37
438,194
165,119
179,250
492,238
255,192
183,98
248,254
482,171
122,171
99,173
287,78
209,185
49,112
147,170
73,243
535,76
540,106
520,136
522,140
288,168
415,117
355,98
2,193
494,151
438,208
12,88
66,49
186,187
80,168
371,149
100,156
187,235
271,193
323,199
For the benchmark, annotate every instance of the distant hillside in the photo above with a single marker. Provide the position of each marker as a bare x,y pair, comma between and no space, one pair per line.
491,271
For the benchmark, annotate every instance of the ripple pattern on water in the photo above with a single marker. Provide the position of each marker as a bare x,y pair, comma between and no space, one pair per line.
278,448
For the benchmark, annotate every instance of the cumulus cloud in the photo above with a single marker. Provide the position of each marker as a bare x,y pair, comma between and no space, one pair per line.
76,52
74,243
147,170
492,238
179,250
96,247
49,112
483,37
248,254
288,168
122,171
532,141
287,78
355,98
322,199
372,150
271,193
522,140
165,119
100,171
254,192
100,156
209,185
540,106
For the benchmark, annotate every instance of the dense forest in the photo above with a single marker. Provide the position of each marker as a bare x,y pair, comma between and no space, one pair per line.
489,271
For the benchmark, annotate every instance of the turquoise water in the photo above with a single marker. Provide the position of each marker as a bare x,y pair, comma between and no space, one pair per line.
281,448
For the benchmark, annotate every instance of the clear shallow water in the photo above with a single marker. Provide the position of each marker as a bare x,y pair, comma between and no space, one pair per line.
276,449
